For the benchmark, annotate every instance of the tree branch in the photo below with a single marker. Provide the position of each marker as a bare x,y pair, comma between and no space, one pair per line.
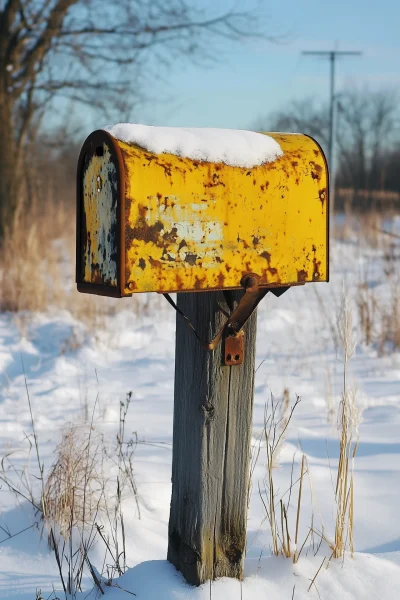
43,44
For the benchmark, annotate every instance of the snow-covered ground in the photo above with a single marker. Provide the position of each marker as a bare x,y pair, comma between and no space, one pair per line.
72,374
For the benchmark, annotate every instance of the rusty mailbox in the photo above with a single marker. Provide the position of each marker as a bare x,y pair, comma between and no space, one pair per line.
150,222
158,221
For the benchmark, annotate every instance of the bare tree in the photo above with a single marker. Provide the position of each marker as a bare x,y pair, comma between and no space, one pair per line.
303,116
368,134
368,127
92,52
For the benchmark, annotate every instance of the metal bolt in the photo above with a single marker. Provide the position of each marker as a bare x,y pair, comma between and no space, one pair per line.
131,285
250,280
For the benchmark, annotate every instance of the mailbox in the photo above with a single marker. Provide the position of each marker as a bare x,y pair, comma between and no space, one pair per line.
152,221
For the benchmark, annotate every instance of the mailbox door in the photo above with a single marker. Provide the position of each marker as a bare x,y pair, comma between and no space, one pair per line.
100,195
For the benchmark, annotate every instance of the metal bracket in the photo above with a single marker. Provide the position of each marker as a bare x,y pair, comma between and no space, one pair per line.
234,349
232,330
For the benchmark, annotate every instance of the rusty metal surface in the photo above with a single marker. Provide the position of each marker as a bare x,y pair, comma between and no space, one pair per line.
100,150
199,226
165,223
100,192
234,349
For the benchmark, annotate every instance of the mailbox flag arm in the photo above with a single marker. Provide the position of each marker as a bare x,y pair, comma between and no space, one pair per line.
248,303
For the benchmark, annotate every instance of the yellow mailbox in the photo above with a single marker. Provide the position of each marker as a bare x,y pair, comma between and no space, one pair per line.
154,218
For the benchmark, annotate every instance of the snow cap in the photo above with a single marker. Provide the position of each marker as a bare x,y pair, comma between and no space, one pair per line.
235,147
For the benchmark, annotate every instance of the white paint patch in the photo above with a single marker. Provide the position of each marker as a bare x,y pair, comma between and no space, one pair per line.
202,236
234,147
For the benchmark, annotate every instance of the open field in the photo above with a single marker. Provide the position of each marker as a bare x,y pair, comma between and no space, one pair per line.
79,370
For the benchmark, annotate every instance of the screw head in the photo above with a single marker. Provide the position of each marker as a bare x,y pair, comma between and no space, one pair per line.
250,280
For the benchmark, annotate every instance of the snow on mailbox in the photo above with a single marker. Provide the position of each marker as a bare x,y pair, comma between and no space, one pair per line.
162,209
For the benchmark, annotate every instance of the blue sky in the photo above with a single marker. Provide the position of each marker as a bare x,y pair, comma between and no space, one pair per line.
256,77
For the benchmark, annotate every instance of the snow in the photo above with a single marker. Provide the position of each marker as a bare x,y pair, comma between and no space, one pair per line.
234,147
295,350
365,577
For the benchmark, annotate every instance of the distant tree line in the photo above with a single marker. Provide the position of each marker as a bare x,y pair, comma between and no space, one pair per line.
367,141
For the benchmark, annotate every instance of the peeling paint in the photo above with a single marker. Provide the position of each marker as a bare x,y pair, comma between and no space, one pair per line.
203,230
191,225
100,216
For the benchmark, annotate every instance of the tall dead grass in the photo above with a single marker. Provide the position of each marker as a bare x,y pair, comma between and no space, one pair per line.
349,420
378,289
31,276
284,541
284,531
37,271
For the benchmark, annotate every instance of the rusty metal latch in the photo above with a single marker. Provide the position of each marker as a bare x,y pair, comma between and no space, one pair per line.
232,330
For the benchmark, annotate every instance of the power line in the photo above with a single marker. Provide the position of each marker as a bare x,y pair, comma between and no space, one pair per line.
332,55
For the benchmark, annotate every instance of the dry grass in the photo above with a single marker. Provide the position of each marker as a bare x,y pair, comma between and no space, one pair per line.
37,273
74,488
36,259
349,419
79,501
276,421
379,308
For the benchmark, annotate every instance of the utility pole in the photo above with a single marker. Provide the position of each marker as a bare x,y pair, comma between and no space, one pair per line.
332,55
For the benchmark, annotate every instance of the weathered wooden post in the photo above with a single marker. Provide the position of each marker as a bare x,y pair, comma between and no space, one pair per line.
211,445
158,211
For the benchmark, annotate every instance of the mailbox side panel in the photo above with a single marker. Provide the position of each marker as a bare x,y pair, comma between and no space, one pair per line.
99,223
194,225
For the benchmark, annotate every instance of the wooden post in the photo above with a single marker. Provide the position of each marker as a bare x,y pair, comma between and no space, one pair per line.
211,445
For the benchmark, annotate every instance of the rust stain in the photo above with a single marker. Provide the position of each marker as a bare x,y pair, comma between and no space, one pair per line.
316,265
199,283
302,276
182,244
191,258
208,222
171,236
132,286
156,264
144,232
142,210
266,255
317,170
179,282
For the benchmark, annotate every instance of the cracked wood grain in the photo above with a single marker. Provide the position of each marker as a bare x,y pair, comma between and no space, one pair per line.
211,445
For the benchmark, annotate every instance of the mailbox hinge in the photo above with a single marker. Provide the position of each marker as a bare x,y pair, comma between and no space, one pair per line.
232,331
